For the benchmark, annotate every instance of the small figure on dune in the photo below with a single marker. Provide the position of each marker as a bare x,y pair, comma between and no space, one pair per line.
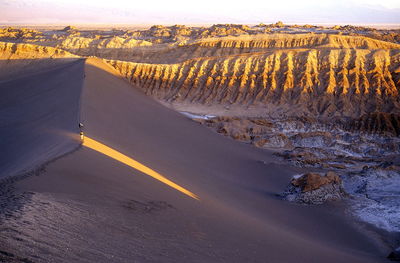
81,132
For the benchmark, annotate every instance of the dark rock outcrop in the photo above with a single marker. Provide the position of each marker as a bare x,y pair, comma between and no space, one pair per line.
313,181
314,188
395,255
377,122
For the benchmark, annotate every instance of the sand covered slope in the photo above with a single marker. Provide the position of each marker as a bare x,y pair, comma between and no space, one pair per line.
39,105
87,207
39,117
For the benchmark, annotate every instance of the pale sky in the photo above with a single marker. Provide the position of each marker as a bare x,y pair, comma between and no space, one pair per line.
197,12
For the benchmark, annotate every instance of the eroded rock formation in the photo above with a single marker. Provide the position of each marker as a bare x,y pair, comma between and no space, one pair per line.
28,51
180,51
377,122
324,81
314,188
312,181
109,47
26,58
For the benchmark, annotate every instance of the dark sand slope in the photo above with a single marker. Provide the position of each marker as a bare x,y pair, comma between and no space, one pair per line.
87,207
38,115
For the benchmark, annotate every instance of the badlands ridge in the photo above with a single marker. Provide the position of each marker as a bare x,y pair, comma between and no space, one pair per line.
321,75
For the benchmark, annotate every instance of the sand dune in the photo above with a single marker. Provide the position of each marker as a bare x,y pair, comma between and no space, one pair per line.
39,113
87,207
150,185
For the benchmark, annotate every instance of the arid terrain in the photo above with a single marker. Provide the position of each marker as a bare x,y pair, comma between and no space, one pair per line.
321,72
288,135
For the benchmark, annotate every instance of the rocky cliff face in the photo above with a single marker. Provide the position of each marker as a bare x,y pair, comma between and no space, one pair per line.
325,80
377,122
296,41
145,52
321,75
102,47
28,51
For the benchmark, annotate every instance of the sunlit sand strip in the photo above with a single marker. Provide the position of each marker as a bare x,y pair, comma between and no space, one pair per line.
99,147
